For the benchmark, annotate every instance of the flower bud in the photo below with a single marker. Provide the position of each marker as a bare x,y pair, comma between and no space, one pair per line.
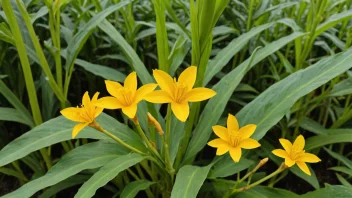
155,123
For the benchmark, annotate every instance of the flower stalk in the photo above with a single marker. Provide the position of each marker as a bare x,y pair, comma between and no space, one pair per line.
233,190
279,170
118,140
146,140
168,162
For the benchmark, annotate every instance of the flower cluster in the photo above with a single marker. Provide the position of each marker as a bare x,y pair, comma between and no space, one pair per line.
178,93
126,97
233,138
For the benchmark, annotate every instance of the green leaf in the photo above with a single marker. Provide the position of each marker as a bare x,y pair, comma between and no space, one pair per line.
67,183
342,180
270,106
342,88
60,129
135,61
39,51
332,21
312,126
132,189
161,35
342,169
189,179
11,114
339,157
333,136
280,6
11,172
5,34
335,191
266,192
224,89
12,99
226,167
102,71
107,173
89,156
82,35
227,53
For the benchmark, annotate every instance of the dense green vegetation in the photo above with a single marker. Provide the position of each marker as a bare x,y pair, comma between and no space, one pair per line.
282,65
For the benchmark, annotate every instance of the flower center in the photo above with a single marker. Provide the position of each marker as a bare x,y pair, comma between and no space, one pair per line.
296,154
180,92
126,96
235,138
86,113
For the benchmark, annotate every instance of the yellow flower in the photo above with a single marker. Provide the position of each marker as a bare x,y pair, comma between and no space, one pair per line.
85,113
233,138
294,154
180,92
125,97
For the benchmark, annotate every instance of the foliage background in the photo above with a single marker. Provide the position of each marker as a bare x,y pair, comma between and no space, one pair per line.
283,65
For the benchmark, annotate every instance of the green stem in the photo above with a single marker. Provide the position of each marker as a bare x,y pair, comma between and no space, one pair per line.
249,21
118,140
168,161
249,174
186,138
279,170
145,139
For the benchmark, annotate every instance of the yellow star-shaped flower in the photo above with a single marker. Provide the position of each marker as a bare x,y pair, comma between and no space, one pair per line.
125,97
232,139
178,92
85,114
294,154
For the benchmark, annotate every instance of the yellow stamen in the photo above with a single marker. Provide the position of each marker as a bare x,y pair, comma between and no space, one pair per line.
235,138
180,92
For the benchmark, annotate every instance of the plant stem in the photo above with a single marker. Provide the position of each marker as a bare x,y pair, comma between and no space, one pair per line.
168,162
279,170
118,140
186,138
145,139
249,174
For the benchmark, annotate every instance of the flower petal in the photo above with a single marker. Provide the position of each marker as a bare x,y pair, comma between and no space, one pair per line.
130,111
235,153
299,143
74,114
303,166
289,162
249,143
78,128
221,132
222,150
109,103
188,77
280,153
247,131
286,144
181,110
143,91
218,143
86,99
199,94
308,157
95,97
164,81
98,111
158,96
232,123
131,82
112,87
